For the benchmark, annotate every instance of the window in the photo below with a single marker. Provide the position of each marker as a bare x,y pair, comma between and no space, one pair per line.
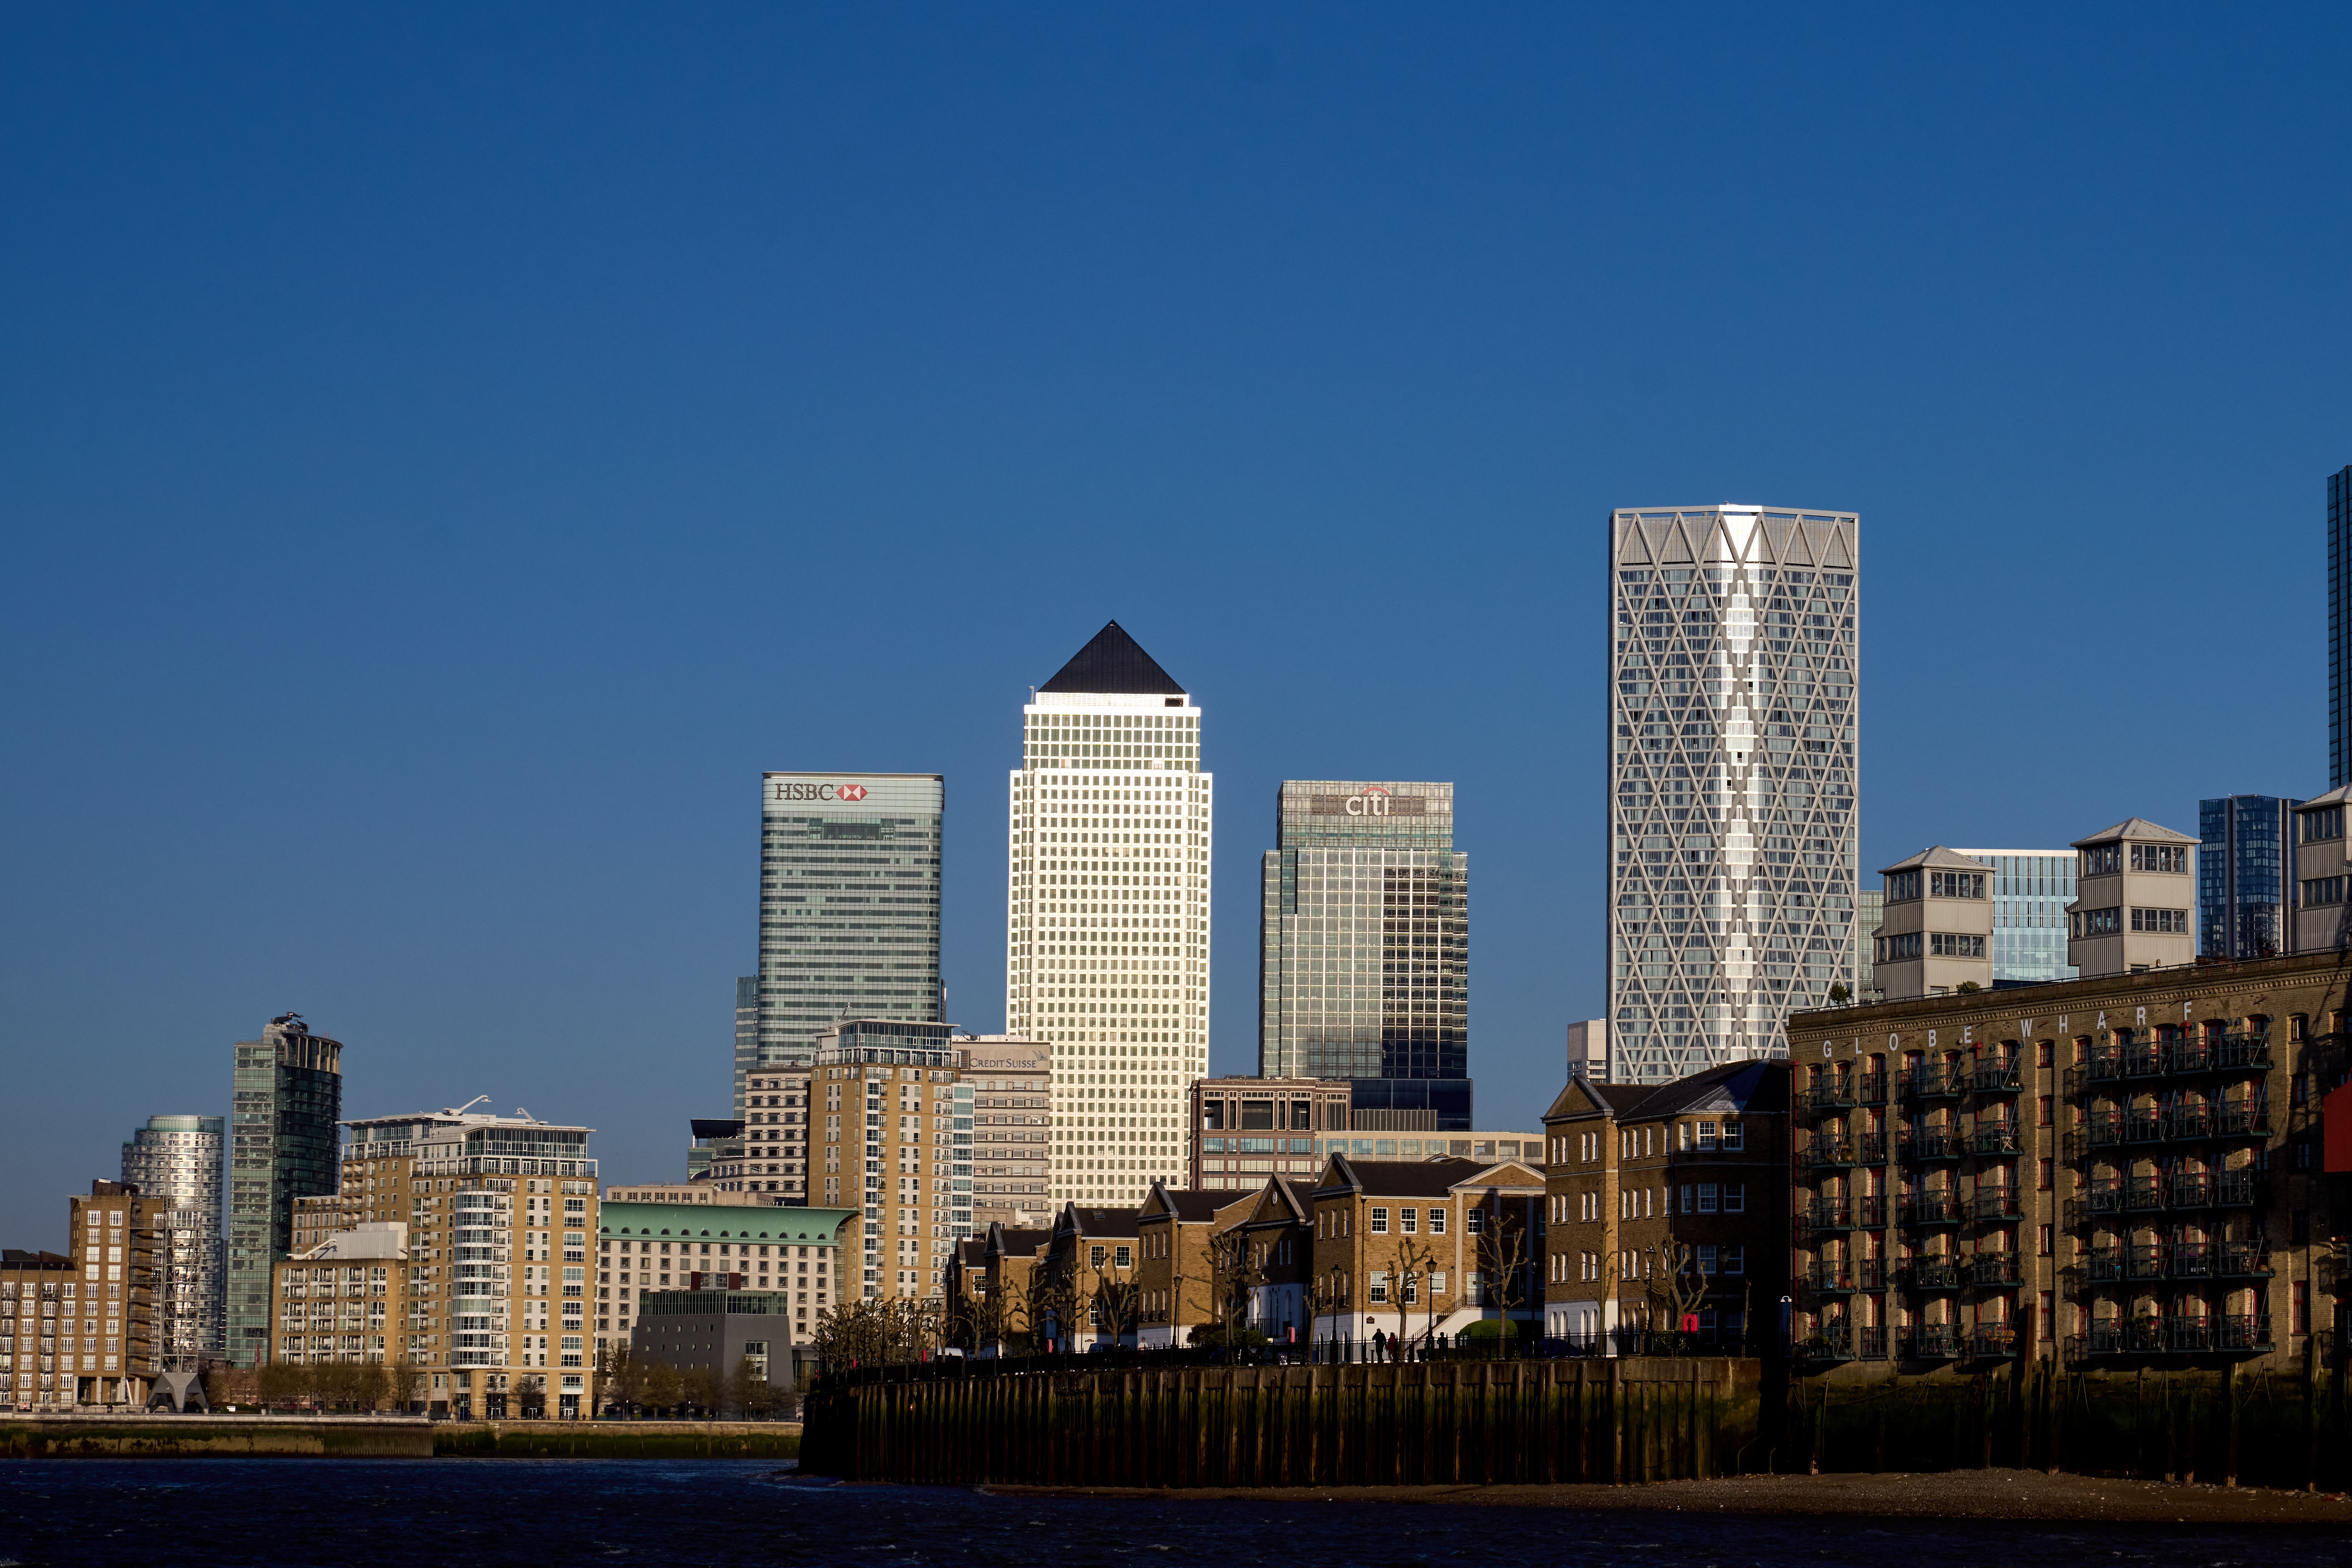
2043,1056
1898,947
2101,860
2098,923
1734,1259
1956,884
1706,1260
1437,1222
1956,945
2042,1174
2043,1240
1735,1197
2044,1107
1379,1222
1096,1257
1409,1218
1902,885
2328,823
1706,1137
1474,1221
2172,921
1732,1138
1708,1195
1380,1285
2162,857
2322,890
1124,1257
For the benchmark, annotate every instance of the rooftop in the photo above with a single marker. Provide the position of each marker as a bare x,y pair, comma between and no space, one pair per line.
1113,664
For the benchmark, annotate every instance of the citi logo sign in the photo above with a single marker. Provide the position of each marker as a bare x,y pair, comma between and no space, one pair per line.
1372,801
781,790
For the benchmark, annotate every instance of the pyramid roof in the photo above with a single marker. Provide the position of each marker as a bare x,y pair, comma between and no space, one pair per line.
1113,664
2137,827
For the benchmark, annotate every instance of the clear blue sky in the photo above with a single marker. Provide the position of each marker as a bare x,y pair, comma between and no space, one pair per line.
450,453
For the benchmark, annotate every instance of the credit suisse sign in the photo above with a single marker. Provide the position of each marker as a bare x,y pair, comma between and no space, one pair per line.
795,789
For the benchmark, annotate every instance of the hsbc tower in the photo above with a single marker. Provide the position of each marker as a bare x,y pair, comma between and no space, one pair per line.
849,909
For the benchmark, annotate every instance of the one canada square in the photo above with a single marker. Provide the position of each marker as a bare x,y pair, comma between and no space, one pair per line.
1107,914
1733,785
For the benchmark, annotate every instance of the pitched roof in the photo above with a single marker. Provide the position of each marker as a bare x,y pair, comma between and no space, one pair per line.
1761,1087
1196,1206
1113,664
1103,1221
1016,1243
1404,1178
2137,827
1505,1174
2333,797
1933,856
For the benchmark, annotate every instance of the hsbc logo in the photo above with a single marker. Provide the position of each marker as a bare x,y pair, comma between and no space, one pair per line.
783,789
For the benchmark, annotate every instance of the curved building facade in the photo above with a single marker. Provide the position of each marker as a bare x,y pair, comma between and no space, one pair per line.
182,1159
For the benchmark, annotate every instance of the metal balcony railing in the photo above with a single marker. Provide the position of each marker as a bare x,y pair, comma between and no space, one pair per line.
1990,1341
1869,1212
2242,1118
1994,1203
2241,1259
1872,1091
2181,1335
1991,1268
2103,1129
1833,1094
1932,1208
1935,1083
1825,1214
1828,1279
1870,1342
1993,1138
1930,1143
1933,1274
1828,1154
1831,1342
1932,1342
1995,1076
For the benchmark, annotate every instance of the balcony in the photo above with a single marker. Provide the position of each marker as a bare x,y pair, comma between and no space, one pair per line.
2107,1064
2242,1260
2104,1128
1930,1143
1994,1203
1872,1091
1993,1138
1932,1341
2242,1053
1830,1343
1935,1083
2161,1336
1870,1342
1992,1341
1870,1213
1825,1214
1833,1093
1989,1270
1933,1208
1932,1274
2241,1118
1996,1076
1830,1154
1828,1279
2143,1127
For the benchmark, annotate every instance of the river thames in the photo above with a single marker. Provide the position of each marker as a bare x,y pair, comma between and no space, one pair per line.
457,1513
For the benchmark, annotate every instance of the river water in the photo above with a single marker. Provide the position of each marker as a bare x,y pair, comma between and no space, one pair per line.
457,1513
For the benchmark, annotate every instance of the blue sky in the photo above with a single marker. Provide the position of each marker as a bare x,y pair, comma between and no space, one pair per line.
450,453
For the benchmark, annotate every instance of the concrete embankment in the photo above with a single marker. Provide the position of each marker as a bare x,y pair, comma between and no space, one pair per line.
387,1438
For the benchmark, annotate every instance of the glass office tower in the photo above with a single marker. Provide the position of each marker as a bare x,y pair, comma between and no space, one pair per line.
2031,889
2339,628
181,1158
849,908
286,1096
2245,869
1364,950
1733,660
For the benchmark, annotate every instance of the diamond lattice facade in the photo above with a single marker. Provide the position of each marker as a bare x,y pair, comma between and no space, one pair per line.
1733,664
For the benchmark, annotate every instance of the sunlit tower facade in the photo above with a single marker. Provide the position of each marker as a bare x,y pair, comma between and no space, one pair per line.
1733,779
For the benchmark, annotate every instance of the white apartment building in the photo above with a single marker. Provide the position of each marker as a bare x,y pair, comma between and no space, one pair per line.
1107,914
1733,661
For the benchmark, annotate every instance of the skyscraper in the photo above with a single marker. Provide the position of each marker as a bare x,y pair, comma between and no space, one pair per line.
2031,889
747,1033
288,1093
1364,950
178,1159
1107,914
849,909
1733,660
2339,628
2245,872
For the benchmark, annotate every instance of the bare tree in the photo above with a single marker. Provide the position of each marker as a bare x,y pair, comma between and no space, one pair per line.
1413,1259
1503,1257
400,1383
1115,1303
1229,1283
1674,1285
